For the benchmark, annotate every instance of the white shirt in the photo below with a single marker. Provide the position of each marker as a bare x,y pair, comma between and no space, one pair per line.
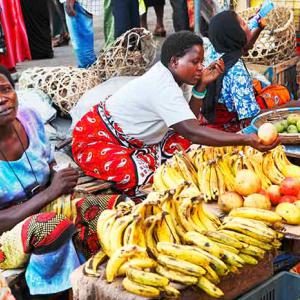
147,106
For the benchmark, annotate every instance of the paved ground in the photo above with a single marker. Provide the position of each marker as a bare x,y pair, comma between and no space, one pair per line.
64,55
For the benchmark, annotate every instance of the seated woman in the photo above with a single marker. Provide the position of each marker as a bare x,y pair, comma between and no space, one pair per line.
126,138
40,241
231,104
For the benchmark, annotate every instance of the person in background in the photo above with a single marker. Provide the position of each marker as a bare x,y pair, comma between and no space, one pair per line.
37,22
126,138
231,103
180,15
159,11
126,15
59,29
14,41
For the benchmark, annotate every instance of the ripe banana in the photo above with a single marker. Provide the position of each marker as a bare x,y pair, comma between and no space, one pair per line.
250,260
187,169
211,275
201,241
184,252
214,188
204,182
92,266
146,278
119,257
150,223
158,183
162,230
140,289
221,180
247,239
224,239
176,276
137,263
256,214
209,288
227,247
184,214
194,217
180,265
169,291
233,259
117,230
270,169
171,177
88,269
206,219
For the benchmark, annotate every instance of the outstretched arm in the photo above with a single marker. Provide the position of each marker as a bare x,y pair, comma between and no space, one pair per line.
192,130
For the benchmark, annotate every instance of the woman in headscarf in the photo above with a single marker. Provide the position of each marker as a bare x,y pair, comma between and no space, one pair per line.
230,103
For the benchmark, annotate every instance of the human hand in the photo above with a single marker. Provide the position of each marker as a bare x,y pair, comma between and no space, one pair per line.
254,141
70,8
212,72
63,182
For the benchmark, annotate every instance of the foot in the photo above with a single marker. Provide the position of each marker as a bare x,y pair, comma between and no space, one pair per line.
159,31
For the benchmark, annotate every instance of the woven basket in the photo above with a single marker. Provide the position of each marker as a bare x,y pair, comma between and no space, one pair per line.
277,41
131,54
273,117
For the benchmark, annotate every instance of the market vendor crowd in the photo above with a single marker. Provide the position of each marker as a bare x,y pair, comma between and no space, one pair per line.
123,140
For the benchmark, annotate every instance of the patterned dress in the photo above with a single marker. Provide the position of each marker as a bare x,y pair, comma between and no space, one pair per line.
237,103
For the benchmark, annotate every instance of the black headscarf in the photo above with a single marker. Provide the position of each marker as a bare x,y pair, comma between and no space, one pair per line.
228,37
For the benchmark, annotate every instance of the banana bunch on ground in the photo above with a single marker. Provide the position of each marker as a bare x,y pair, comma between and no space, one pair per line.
211,171
172,238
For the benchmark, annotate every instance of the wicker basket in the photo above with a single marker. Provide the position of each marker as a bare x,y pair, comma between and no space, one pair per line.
277,41
274,116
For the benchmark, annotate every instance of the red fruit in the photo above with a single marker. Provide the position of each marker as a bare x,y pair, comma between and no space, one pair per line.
265,193
290,186
287,198
274,193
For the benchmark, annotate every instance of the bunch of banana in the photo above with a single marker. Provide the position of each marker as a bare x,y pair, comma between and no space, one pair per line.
92,265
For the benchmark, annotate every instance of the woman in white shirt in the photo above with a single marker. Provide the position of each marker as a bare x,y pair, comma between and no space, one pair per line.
126,138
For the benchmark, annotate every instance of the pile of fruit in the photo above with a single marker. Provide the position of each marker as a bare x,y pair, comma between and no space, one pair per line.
212,170
291,124
172,238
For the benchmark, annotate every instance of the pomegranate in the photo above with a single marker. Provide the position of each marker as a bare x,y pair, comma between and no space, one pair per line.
274,193
247,183
267,133
287,198
290,186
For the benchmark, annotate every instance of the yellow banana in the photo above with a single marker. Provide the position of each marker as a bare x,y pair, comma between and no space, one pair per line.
247,239
146,278
187,169
221,180
184,252
88,269
250,260
162,231
176,276
271,170
229,182
180,265
119,257
209,288
158,183
210,215
137,263
169,291
204,243
250,231
194,216
208,223
117,230
214,188
140,289
92,266
227,247
150,223
171,177
224,239
253,251
211,275
256,214
233,259
205,182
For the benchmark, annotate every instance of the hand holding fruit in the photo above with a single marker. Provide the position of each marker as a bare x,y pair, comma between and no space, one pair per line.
255,142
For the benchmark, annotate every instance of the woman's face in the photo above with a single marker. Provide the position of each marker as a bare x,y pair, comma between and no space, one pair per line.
188,68
8,101
245,27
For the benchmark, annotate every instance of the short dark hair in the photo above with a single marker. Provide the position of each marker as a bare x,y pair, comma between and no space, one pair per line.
178,44
6,73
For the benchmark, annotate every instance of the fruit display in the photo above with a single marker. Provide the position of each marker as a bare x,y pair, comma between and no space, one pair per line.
289,125
212,171
172,237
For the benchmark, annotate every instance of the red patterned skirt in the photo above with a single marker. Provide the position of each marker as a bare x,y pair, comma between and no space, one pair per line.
102,150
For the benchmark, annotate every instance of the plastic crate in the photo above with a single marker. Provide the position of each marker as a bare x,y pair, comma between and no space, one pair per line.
283,286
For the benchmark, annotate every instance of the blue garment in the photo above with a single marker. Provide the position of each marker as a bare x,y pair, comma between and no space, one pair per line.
237,92
50,273
126,15
82,36
39,154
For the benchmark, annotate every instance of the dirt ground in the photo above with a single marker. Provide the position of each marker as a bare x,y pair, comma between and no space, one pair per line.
63,56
